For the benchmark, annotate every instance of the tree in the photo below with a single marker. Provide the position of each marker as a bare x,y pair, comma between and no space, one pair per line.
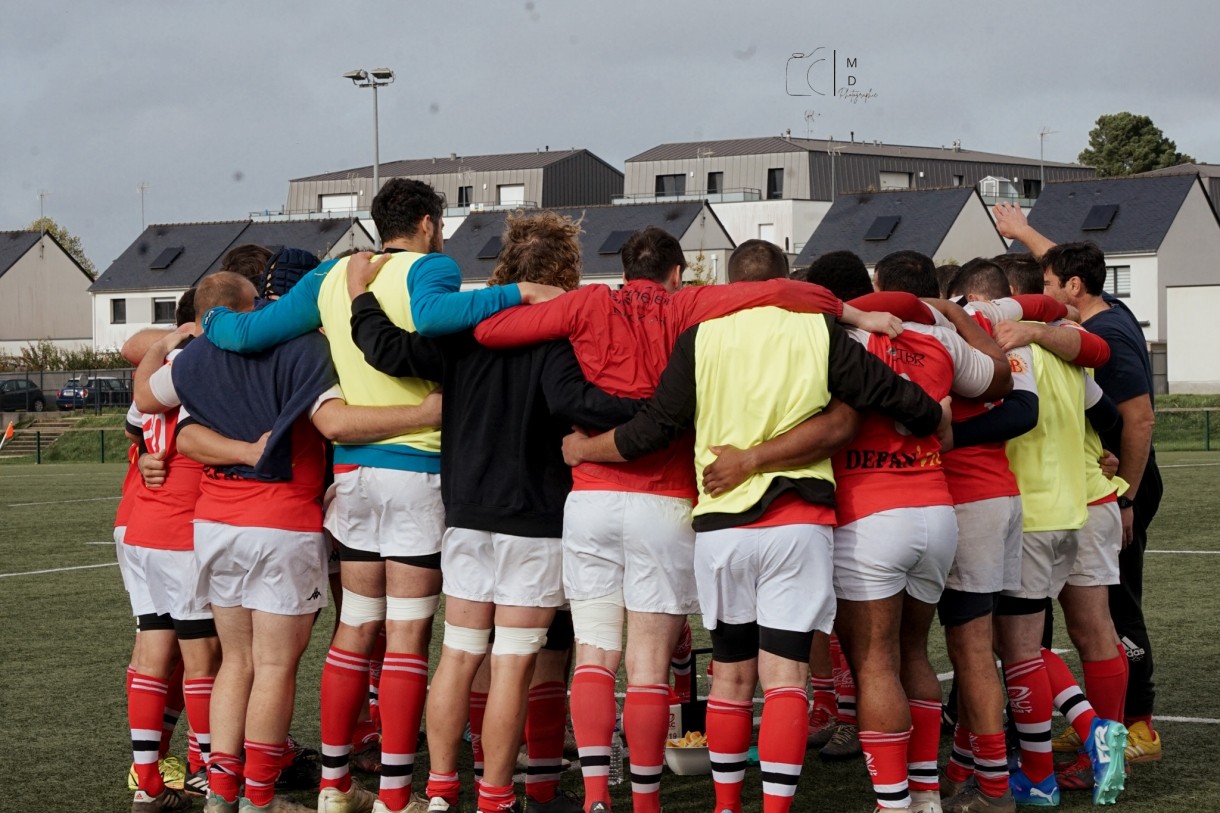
69,241
1124,144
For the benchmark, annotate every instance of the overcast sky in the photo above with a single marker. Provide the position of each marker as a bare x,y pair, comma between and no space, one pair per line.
216,105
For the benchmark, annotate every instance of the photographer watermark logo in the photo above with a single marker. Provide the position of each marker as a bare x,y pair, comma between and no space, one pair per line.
821,72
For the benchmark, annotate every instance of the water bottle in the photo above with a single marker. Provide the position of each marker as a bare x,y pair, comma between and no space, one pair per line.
617,756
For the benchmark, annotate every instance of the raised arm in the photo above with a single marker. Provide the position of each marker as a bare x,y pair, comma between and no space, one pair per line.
294,314
1010,221
816,438
136,346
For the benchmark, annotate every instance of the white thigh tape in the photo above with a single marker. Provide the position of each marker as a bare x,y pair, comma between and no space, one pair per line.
411,609
599,621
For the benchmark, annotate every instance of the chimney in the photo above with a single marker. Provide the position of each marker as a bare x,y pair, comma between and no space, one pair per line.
453,156
853,136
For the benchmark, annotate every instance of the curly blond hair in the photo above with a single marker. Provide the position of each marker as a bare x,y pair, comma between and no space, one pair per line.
542,247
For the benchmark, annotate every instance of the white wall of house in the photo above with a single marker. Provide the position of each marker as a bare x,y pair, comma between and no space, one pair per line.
1190,252
972,235
792,221
109,334
1147,291
1192,310
44,295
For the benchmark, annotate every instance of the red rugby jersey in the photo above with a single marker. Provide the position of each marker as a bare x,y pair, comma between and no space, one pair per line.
130,479
162,517
295,505
623,339
883,468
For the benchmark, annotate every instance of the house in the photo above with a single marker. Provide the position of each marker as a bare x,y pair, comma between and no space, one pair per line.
705,242
141,288
545,178
44,293
945,224
778,188
1210,173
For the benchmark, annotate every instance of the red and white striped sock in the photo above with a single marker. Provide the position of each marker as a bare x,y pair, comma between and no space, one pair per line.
545,722
345,682
404,686
925,743
198,694
781,745
885,755
145,711
730,725
593,713
645,724
263,763
1029,697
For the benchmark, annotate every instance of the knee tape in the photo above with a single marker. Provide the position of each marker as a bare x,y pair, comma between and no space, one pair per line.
518,640
411,609
599,621
358,609
467,639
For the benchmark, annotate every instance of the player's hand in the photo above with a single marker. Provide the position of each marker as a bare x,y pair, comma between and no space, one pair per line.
1128,517
172,339
152,469
1014,334
881,322
254,451
1010,220
730,469
533,293
572,446
362,269
1109,464
946,420
431,409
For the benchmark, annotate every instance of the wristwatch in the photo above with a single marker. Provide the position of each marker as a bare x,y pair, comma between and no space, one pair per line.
1123,502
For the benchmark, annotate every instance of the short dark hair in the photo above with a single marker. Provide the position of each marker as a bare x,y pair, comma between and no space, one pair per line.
983,278
907,271
1084,260
401,206
1023,272
249,260
843,273
756,260
185,311
224,289
650,253
945,275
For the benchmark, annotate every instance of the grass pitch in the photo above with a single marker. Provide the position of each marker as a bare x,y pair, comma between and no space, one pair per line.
66,635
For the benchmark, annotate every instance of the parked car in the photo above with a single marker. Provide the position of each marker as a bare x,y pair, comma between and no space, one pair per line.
19,394
90,392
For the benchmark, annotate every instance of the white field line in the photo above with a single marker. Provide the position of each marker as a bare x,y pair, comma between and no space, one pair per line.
57,570
1196,552
1187,465
59,502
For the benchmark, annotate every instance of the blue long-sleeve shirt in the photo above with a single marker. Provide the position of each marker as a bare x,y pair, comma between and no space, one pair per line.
438,307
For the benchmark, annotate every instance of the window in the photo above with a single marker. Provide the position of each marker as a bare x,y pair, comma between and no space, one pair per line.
715,183
895,180
766,231
163,311
337,203
118,311
957,180
510,194
671,185
465,193
1118,280
1031,188
775,183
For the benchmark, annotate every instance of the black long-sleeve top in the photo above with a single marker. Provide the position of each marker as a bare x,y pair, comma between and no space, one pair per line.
503,418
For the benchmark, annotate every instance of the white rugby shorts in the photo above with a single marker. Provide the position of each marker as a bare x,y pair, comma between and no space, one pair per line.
266,569
520,571
387,511
640,543
778,576
1097,547
163,582
988,557
1046,560
885,553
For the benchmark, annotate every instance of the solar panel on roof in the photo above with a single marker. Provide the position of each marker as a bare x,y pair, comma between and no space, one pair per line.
882,227
491,249
614,243
166,258
1100,217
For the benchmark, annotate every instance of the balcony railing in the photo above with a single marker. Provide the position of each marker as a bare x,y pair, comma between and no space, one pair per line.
462,211
727,196
992,200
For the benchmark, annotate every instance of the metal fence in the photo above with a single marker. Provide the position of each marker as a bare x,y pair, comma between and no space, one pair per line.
1185,429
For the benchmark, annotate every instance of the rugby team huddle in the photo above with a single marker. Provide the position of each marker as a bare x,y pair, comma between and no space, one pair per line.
816,465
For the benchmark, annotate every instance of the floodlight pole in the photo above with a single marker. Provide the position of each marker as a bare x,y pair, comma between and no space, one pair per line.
1042,134
374,79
